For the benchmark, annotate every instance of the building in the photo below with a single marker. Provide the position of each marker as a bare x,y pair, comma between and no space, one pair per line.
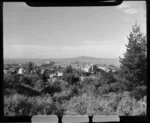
21,71
82,78
5,71
86,68
59,74
113,70
104,68
47,62
52,75
42,71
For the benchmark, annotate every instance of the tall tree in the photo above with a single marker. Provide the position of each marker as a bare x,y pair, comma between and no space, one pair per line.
134,64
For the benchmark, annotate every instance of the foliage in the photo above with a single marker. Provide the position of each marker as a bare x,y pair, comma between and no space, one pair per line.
106,78
52,88
71,75
88,85
27,90
133,65
9,80
78,104
128,106
30,66
19,105
139,92
125,107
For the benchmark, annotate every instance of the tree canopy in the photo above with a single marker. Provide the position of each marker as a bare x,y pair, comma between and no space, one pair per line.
134,64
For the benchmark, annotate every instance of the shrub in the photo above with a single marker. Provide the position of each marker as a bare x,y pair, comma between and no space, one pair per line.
104,89
9,80
140,108
78,105
88,85
19,105
125,106
39,84
139,92
106,104
27,90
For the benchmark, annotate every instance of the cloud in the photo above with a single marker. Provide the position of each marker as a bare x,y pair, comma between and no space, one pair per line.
128,8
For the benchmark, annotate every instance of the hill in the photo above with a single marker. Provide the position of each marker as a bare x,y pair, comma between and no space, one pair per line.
67,61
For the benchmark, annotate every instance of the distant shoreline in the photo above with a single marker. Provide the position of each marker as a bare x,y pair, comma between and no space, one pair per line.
65,58
92,60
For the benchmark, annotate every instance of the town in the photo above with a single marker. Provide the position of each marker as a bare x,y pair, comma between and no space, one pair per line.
53,72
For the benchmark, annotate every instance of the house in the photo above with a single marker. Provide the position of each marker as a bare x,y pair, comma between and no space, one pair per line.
52,75
82,78
42,71
54,79
86,68
47,62
5,71
59,74
113,70
21,71
104,68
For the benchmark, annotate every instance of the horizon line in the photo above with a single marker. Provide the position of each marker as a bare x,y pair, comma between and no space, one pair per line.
63,57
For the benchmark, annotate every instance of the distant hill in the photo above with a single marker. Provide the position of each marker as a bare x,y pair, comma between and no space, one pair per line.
67,61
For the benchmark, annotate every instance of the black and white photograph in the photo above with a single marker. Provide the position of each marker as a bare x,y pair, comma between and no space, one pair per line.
82,62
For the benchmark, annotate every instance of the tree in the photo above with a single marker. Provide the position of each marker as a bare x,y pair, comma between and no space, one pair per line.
51,63
30,66
71,75
133,65
95,69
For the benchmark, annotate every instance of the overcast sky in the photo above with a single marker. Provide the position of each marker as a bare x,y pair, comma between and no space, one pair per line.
62,32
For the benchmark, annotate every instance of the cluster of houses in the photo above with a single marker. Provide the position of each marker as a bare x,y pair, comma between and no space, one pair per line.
21,71
85,67
89,68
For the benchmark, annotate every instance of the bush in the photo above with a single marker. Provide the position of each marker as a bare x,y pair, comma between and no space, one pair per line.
19,105
9,80
71,75
106,104
140,108
125,106
106,78
139,92
27,90
88,85
11,104
78,105
39,85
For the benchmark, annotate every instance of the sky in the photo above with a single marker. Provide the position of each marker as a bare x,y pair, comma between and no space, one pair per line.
66,32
